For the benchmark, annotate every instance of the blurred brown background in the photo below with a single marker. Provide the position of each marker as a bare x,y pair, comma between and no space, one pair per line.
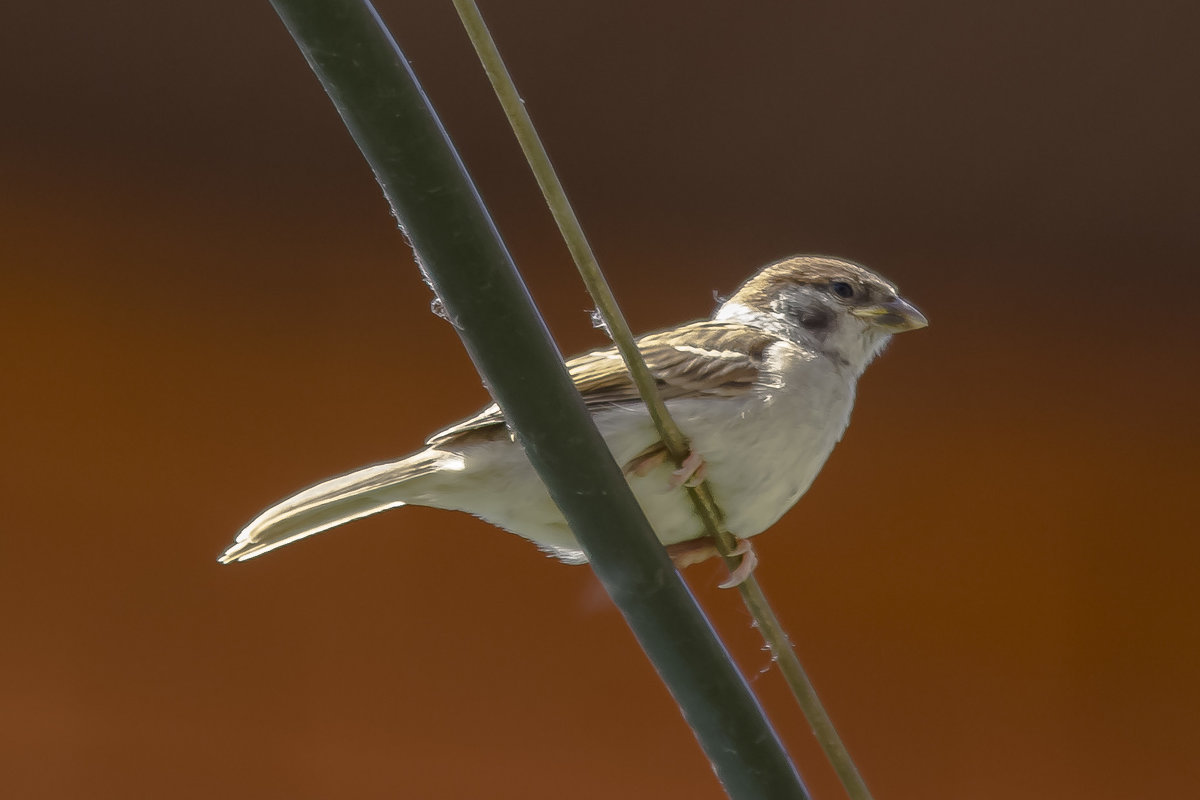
206,306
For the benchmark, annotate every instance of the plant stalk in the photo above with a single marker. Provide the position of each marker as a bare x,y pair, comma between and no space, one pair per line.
461,254
672,437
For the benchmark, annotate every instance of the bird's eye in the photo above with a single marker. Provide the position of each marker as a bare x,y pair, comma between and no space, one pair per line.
842,289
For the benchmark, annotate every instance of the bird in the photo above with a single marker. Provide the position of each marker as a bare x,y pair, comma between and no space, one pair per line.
763,390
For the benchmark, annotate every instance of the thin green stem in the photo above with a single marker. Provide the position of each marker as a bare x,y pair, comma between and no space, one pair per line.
569,227
672,437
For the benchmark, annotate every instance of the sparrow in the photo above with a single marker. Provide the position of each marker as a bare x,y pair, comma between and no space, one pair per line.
763,390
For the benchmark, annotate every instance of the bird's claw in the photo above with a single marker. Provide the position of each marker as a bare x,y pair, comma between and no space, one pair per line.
685,554
743,570
691,472
644,462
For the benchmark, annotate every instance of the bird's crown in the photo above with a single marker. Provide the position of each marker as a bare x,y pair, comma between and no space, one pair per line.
761,289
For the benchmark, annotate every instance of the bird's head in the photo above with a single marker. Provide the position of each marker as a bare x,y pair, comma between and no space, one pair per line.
831,305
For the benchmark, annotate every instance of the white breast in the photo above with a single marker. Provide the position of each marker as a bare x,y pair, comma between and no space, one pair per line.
763,450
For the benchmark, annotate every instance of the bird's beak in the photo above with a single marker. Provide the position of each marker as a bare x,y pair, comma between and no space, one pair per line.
895,316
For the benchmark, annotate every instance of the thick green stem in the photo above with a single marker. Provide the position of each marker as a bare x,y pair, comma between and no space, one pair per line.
462,256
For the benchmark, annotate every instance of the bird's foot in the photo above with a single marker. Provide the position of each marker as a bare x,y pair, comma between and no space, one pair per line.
684,554
691,472
644,462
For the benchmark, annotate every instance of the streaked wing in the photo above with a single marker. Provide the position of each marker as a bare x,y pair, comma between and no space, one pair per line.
701,358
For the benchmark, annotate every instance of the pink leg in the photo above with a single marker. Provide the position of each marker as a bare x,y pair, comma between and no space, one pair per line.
745,568
684,554
690,473
644,463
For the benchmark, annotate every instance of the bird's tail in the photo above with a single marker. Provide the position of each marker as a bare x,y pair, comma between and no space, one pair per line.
334,502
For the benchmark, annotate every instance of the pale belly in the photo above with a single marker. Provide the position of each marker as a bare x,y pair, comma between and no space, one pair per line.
763,451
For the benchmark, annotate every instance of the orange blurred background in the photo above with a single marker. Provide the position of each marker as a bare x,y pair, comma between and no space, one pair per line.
206,306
